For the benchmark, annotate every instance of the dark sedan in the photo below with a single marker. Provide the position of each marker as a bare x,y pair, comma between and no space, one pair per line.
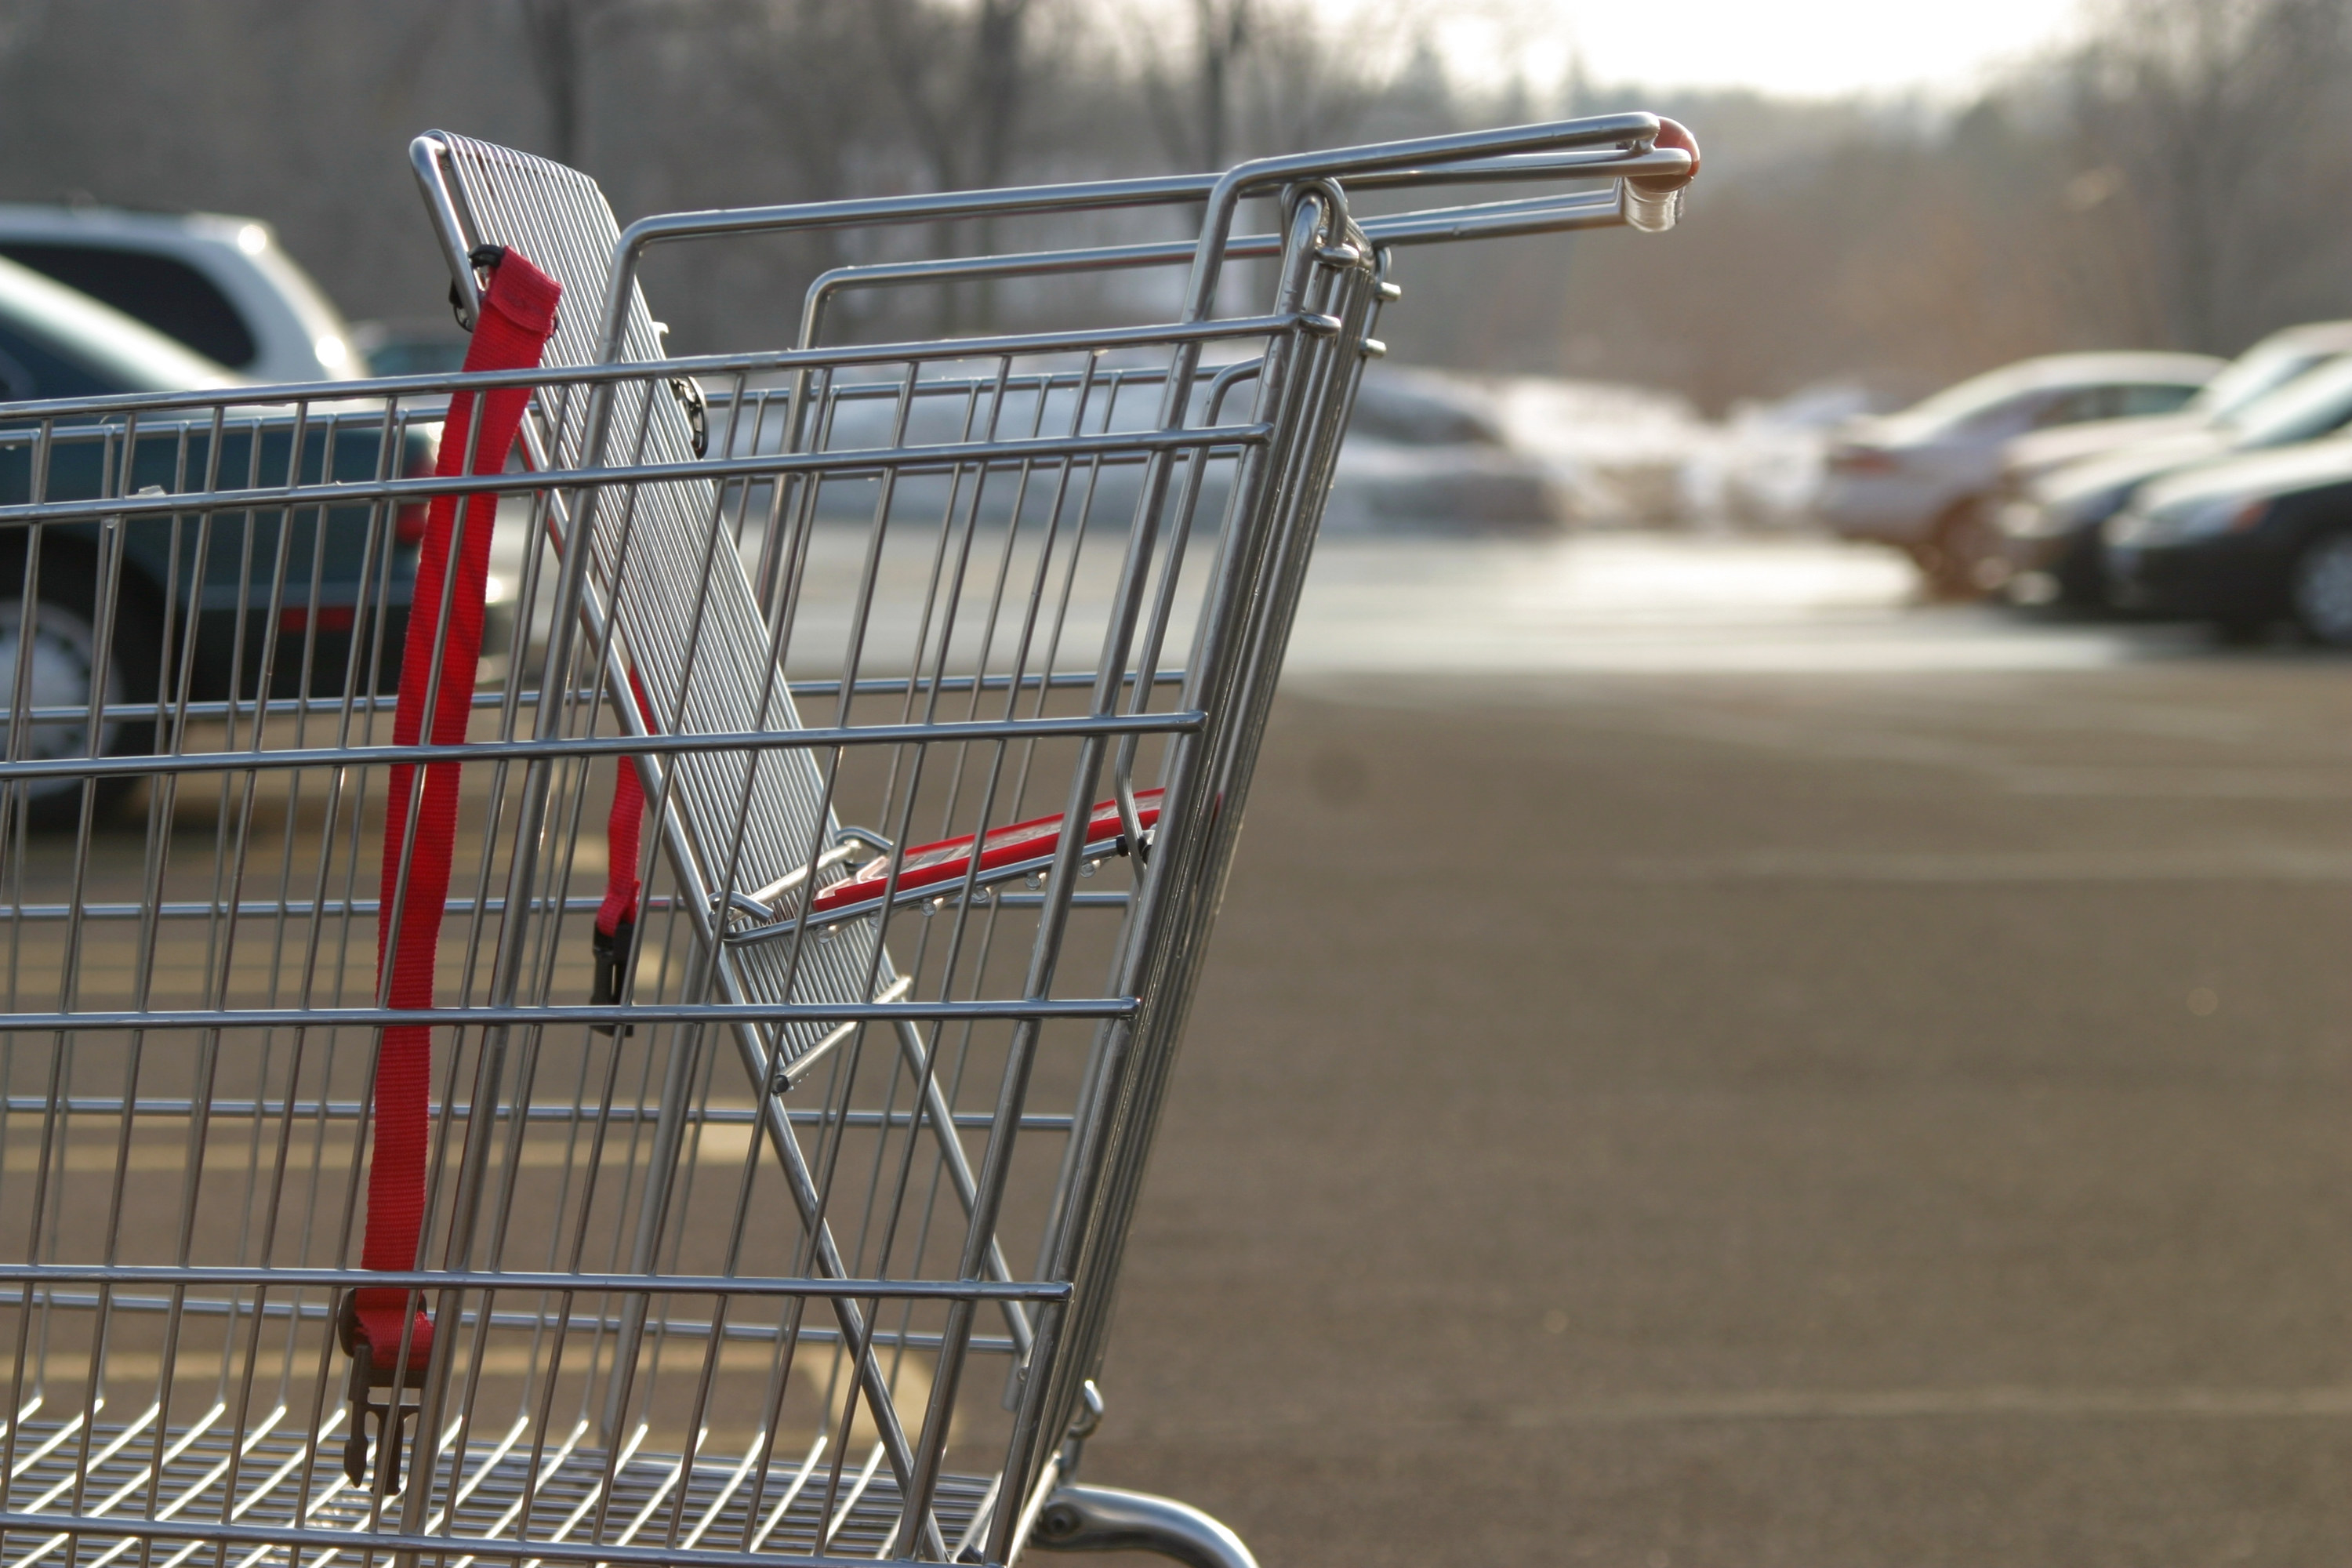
2244,544
2052,530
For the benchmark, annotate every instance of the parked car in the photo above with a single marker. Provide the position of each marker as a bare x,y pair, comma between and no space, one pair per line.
2244,544
2052,530
2263,369
1425,454
55,342
223,285
417,346
196,590
1923,479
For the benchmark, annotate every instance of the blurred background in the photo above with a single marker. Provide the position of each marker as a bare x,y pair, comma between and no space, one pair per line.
1898,203
1783,1000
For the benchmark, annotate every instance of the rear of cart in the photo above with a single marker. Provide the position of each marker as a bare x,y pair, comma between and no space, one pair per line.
630,1026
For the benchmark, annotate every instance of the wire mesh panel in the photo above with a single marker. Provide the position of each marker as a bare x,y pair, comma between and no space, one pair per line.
792,1230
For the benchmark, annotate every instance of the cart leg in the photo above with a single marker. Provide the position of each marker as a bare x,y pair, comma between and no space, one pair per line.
1108,1519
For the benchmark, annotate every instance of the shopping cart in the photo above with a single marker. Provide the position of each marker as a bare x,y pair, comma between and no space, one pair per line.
786,931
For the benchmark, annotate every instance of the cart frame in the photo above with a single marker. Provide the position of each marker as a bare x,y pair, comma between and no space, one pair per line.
674,545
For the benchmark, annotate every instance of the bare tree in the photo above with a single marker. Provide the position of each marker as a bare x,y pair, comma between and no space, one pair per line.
1223,29
20,24
2204,109
1309,86
803,70
2181,179
790,101
1232,78
961,76
1193,103
557,42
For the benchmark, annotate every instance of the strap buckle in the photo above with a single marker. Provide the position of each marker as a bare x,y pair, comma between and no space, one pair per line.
697,404
614,952
392,1414
482,259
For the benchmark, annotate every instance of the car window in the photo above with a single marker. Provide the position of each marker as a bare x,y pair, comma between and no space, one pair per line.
2011,416
164,292
32,369
2137,402
2114,401
73,345
2074,406
1976,398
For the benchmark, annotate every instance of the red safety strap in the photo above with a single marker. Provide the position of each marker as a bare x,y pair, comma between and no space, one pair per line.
620,906
517,317
615,938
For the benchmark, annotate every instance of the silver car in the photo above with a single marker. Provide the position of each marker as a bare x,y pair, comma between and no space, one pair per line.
1923,479
1427,454
2284,357
224,286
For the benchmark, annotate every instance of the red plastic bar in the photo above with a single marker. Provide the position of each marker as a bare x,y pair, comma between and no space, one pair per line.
1003,850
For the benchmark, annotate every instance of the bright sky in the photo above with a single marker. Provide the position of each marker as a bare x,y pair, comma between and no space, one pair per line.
1796,47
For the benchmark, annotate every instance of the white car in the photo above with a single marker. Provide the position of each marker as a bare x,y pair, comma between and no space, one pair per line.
1426,453
224,286
1923,479
2284,357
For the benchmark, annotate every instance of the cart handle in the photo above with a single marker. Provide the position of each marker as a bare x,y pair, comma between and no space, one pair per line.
1558,150
1670,164
1221,191
1673,136
1652,202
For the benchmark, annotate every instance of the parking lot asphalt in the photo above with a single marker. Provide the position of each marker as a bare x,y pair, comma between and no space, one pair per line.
1706,1118
1740,1069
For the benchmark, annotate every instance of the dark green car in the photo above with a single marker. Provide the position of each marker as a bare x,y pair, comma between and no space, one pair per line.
181,607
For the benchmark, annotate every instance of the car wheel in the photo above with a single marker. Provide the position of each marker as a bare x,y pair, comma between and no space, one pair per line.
63,664
1964,558
2321,589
